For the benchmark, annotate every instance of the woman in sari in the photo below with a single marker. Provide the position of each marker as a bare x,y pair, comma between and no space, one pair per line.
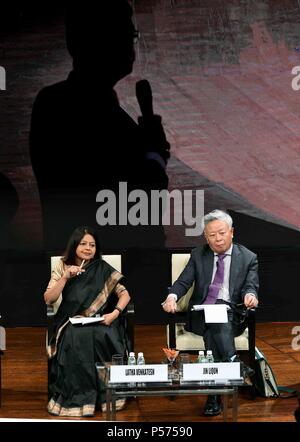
88,287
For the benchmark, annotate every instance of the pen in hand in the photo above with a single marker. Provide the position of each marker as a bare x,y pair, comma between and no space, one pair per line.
81,265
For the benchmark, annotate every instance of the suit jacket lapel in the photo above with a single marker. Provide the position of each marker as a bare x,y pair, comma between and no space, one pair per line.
234,269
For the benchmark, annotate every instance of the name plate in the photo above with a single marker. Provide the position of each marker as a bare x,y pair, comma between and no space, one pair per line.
212,371
138,373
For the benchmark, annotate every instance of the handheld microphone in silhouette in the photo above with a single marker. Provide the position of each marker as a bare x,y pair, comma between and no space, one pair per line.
144,97
150,124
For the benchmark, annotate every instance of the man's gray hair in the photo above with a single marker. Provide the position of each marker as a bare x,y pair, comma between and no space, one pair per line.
216,215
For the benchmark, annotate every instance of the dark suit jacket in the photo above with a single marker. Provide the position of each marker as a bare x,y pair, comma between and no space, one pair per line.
243,274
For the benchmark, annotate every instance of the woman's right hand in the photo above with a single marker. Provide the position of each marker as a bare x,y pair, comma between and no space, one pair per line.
72,271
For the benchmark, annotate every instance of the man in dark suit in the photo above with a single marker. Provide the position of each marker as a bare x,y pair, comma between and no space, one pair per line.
223,272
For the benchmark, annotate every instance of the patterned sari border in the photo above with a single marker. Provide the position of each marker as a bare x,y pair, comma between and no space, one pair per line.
56,409
101,299
51,349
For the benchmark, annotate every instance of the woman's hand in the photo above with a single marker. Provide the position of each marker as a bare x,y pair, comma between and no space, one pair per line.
72,271
110,317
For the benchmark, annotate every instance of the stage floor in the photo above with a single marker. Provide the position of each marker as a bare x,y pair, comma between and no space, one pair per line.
24,378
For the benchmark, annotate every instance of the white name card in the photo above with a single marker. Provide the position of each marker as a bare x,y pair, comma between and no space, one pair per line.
212,371
213,313
139,373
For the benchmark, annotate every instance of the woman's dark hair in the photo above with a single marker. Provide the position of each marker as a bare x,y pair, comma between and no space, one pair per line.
76,237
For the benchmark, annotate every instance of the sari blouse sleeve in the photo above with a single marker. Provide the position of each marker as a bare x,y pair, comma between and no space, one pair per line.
56,274
119,288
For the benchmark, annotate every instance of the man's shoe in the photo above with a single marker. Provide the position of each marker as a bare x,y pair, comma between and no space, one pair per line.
213,406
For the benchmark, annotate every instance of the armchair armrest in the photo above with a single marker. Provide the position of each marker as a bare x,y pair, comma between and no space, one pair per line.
2,339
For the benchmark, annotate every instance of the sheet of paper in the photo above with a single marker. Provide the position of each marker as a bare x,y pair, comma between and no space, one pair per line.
84,320
198,307
215,313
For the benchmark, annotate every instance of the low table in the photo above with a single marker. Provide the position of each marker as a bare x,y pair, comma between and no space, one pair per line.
173,387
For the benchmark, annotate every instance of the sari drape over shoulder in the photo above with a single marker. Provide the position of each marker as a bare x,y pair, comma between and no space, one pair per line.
74,386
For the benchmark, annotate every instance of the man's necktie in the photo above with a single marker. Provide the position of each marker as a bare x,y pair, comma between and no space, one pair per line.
218,280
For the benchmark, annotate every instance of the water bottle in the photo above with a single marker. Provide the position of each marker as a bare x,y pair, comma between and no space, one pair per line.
209,356
140,359
131,361
203,358
131,358
200,356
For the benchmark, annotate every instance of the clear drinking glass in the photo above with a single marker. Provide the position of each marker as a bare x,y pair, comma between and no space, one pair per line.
171,355
184,358
117,359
